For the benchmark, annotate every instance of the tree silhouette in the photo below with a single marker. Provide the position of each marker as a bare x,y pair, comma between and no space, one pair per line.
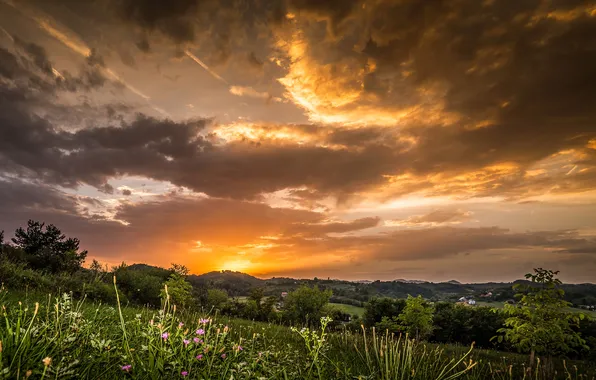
48,248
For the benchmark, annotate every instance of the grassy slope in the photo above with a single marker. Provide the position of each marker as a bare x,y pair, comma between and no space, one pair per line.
285,346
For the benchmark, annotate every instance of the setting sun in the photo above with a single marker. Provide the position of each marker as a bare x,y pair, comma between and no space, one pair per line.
236,265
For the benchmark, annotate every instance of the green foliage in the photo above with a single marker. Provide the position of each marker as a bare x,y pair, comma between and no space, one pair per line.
48,249
417,318
216,298
178,290
539,323
305,304
316,345
141,285
389,358
83,340
377,308
389,324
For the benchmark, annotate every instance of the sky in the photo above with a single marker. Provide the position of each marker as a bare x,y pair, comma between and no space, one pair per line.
351,139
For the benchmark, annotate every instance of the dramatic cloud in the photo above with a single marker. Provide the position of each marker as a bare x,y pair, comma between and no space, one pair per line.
347,131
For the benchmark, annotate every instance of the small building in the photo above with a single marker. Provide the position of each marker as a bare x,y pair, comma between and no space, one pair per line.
466,301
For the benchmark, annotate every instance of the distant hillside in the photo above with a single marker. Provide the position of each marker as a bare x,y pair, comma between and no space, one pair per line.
358,292
235,283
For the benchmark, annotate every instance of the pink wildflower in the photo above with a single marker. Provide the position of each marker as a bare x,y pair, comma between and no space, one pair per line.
180,325
126,368
165,335
186,342
200,356
204,321
200,332
184,373
223,356
196,340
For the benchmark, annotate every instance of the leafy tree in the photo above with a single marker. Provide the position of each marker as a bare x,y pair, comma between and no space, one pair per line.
306,304
180,269
417,318
464,324
377,308
216,298
390,324
179,290
142,286
49,249
256,294
539,323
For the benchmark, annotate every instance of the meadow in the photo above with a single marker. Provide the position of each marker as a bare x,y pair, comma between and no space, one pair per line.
58,337
350,309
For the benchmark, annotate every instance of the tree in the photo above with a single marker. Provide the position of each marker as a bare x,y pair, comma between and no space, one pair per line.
180,269
306,304
377,308
49,249
216,298
417,318
179,290
539,323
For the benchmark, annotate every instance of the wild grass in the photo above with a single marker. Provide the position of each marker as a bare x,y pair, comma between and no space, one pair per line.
58,337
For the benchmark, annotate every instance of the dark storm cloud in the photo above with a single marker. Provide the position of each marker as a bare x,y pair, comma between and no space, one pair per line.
176,19
530,74
28,69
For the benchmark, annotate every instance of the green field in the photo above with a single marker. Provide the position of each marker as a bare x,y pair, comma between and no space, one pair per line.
499,305
70,339
350,309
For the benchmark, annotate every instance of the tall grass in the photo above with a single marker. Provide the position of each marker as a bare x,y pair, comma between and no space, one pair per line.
63,338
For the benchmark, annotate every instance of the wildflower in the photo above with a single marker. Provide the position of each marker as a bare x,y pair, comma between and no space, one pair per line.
200,332
239,348
186,342
151,322
47,361
204,321
196,340
28,373
223,356
165,335
200,356
126,368
184,373
226,328
180,325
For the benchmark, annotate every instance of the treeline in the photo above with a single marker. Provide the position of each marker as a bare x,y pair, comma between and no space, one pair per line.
540,322
41,258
